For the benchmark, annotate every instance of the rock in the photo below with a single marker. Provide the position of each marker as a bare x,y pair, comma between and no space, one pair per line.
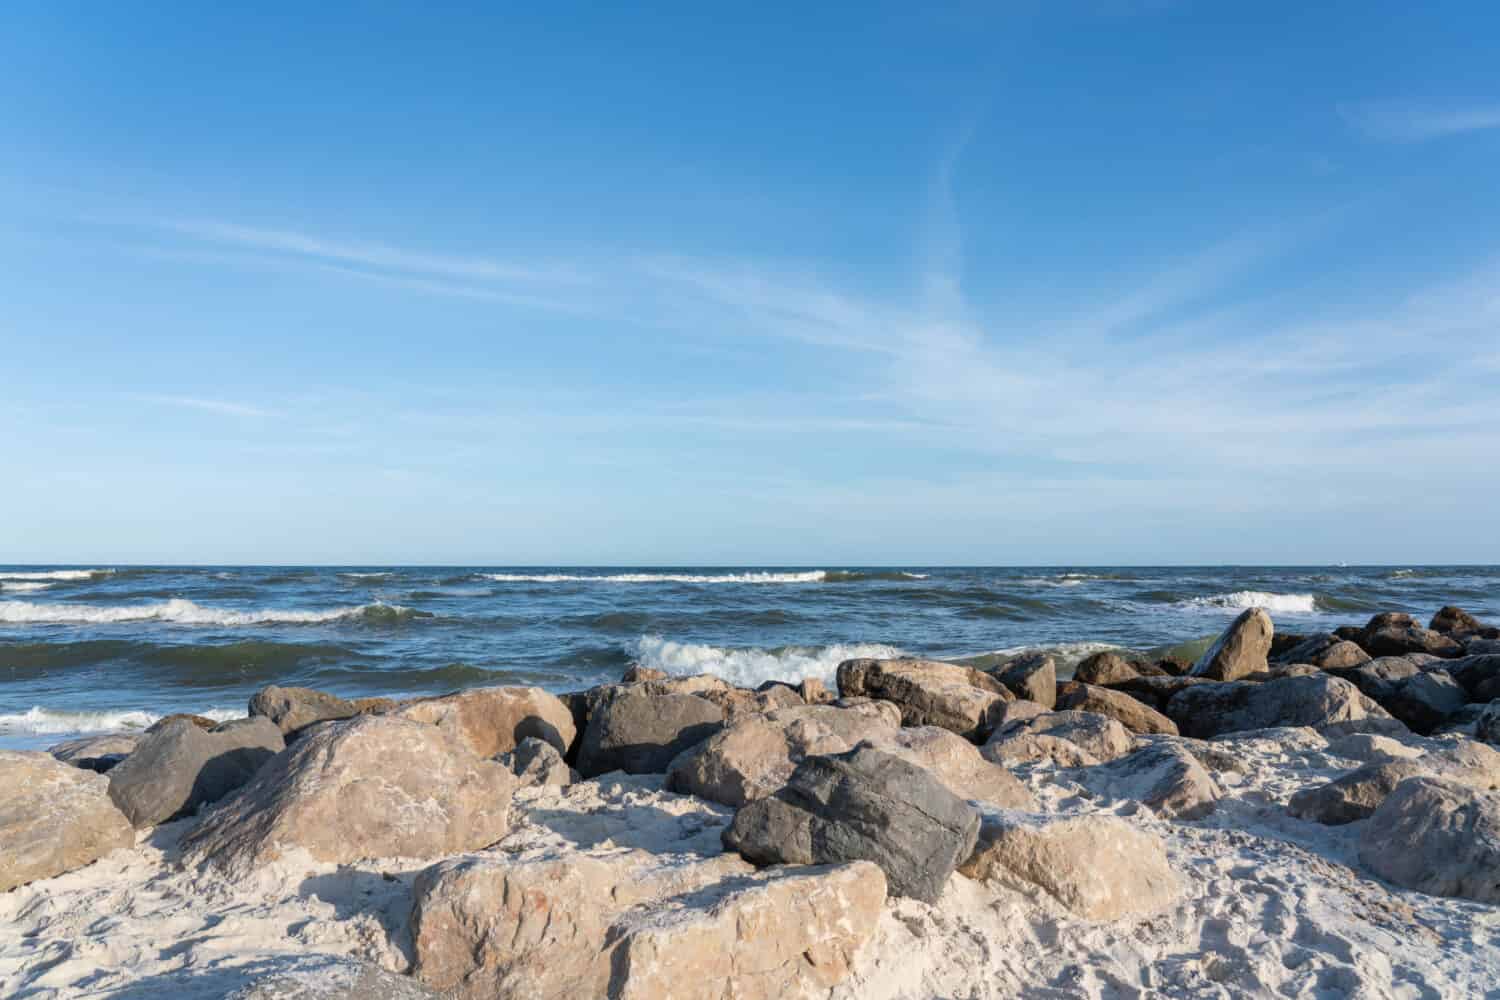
537,762
1019,710
1450,620
1164,776
1241,650
1103,668
333,978
374,786
1099,736
54,817
180,767
640,733
814,691
634,925
752,758
1029,748
1372,748
743,703
1482,647
1426,701
1326,652
494,720
863,805
635,674
95,753
293,709
960,699
1356,795
1157,691
1395,633
1379,679
201,721
1099,867
1480,675
1438,837
1127,711
1208,710
957,763
1487,728
1033,677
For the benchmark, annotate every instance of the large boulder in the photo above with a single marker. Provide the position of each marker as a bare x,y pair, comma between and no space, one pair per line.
493,720
180,767
1129,712
536,763
640,733
1356,795
1488,726
1031,676
1105,667
293,709
54,817
1097,736
639,925
1479,674
1395,634
1450,620
1099,867
1156,691
1379,678
95,753
1165,777
1242,649
1437,836
957,698
1208,710
753,757
1326,651
957,763
863,805
1427,700
330,978
373,786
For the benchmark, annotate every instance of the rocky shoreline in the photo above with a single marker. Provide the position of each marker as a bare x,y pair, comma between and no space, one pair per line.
1291,815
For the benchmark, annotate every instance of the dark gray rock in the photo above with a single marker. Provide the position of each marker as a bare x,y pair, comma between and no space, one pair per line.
1450,620
640,733
537,762
1379,679
950,696
95,753
1394,634
182,766
862,805
1426,701
1208,710
1487,728
1032,677
1105,668
1480,675
1157,691
1240,651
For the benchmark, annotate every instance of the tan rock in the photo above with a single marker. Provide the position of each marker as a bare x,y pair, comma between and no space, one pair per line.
54,817
1240,651
958,764
491,720
1101,737
1134,715
1164,776
1032,748
957,698
1356,795
1437,836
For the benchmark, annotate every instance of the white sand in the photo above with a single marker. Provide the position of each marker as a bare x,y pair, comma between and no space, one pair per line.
1272,906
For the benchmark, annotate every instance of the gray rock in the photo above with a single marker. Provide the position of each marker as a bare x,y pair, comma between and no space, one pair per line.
1033,677
1164,777
1379,679
329,978
1128,711
1487,728
1451,620
95,753
863,805
1208,710
1479,674
1356,795
537,762
1240,651
640,733
180,767
956,698
1098,736
1394,634
1426,701
1438,837
1325,651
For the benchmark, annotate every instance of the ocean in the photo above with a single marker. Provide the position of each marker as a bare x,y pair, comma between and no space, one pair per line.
104,649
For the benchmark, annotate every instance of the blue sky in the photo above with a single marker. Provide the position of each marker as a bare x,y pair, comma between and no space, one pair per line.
1088,282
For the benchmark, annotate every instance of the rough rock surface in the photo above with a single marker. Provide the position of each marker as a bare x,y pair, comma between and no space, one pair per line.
640,733
634,924
181,767
1326,651
957,698
1103,668
95,753
1164,776
1394,634
1437,836
1129,712
537,762
1097,736
493,720
293,709
1427,700
1450,620
863,805
1240,651
1379,678
1099,867
1356,795
1033,677
1479,674
54,817
368,787
334,979
1207,710
1022,747
957,763
1488,726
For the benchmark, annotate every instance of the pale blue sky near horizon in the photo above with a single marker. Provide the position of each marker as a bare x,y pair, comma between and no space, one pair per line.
1093,282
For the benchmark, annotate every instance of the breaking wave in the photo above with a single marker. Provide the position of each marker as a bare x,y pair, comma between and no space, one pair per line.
800,576
19,587
55,574
184,612
40,721
750,667
1242,599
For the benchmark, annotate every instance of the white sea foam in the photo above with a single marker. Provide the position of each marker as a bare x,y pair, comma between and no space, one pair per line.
365,576
54,574
750,667
1067,655
23,587
1241,599
177,611
811,576
40,721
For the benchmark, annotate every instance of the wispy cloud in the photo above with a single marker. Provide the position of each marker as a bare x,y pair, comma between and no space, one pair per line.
1419,121
225,407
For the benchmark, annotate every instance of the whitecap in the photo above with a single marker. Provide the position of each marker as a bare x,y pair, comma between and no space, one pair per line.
39,721
180,612
54,574
23,587
1241,599
811,576
749,667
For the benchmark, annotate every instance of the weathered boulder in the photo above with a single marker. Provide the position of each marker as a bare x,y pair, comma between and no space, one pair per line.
373,786
863,805
641,733
1356,795
635,674
1099,867
1240,651
1022,747
957,698
201,721
180,767
1394,633
494,720
1129,712
95,753
814,691
1455,621
331,978
1156,691
1372,748
293,709
1033,677
770,698
1164,777
957,763
1098,736
1103,668
1479,674
1379,678
753,757
1208,710
1436,836
54,817
536,762
639,925
1488,726
1326,651
1426,701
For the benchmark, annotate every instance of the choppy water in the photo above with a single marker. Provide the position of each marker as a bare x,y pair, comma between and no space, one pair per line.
104,648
